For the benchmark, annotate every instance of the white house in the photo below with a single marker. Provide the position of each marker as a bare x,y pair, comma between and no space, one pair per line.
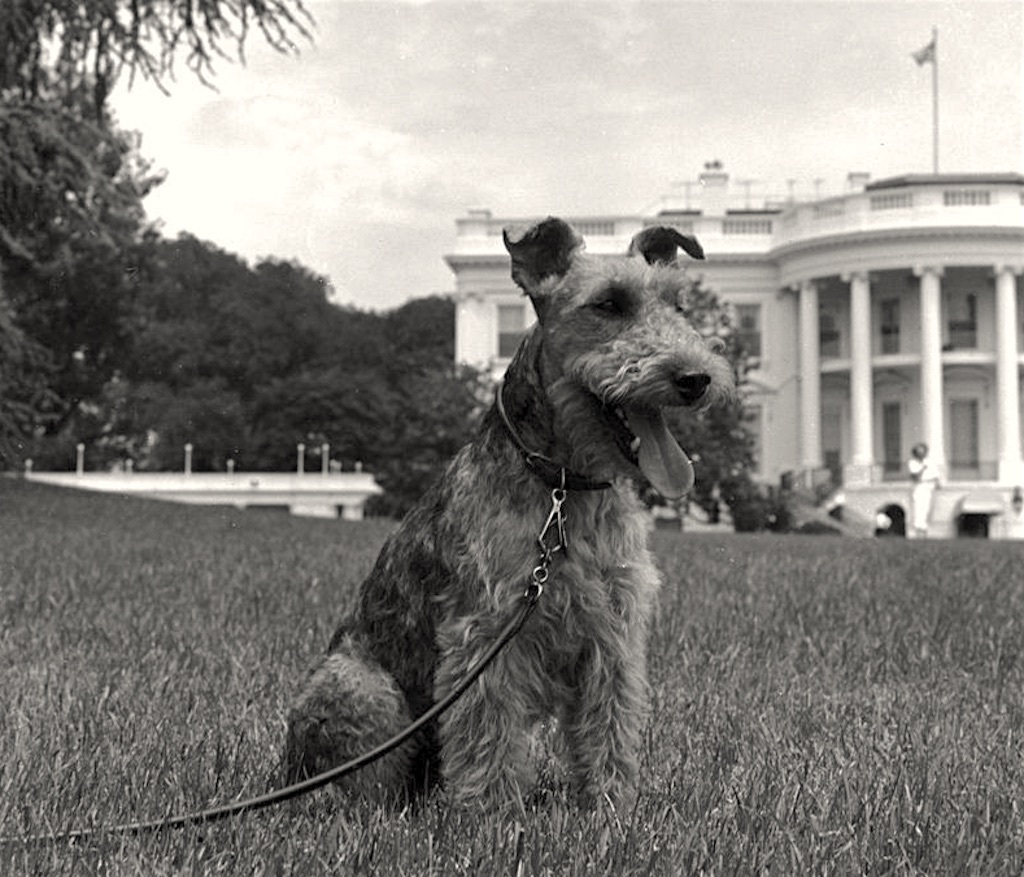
881,317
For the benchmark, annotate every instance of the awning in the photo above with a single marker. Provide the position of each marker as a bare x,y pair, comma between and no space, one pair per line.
980,502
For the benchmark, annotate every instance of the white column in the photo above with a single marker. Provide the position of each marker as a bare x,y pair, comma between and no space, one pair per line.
932,416
1007,375
862,457
810,378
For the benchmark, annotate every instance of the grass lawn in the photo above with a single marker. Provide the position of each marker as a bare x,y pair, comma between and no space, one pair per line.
820,705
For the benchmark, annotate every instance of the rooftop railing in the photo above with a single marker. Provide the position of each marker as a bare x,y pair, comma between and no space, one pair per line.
923,205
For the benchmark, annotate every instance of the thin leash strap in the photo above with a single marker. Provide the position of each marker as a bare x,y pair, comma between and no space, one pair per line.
251,805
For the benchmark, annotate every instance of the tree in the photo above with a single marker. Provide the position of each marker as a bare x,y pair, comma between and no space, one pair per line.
56,45
245,363
25,397
355,412
207,334
70,204
438,411
61,161
72,184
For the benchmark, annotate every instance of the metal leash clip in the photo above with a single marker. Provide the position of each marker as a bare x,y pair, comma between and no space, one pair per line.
555,522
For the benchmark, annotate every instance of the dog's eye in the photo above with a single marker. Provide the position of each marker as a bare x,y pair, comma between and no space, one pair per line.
614,302
608,306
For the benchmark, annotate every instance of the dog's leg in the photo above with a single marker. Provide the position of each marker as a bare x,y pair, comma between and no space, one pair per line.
348,706
603,728
606,717
485,736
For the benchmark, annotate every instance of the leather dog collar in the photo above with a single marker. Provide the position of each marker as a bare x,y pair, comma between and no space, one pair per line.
551,473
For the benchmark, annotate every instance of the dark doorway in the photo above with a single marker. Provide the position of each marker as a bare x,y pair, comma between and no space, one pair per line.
898,521
972,526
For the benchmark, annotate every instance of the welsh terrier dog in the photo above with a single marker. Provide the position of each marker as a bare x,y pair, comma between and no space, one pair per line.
579,416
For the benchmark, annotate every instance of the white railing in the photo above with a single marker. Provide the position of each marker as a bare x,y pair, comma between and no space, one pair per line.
310,495
994,205
315,495
922,207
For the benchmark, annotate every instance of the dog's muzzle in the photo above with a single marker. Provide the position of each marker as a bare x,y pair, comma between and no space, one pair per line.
692,387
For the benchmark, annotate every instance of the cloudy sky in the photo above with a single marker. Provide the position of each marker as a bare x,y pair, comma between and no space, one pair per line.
356,156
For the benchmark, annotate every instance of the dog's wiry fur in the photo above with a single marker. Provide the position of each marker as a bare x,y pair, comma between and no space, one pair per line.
610,335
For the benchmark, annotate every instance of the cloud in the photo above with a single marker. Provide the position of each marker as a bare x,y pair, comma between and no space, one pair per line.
357,156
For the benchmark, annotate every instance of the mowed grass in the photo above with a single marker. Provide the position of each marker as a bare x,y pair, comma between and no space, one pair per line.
820,705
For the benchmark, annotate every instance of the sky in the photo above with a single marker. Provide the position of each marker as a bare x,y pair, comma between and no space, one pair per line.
356,155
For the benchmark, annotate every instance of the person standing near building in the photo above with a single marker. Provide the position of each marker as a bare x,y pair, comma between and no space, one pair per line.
925,478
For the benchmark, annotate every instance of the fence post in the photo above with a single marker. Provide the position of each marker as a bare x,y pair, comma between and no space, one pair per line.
188,458
79,459
325,458
300,464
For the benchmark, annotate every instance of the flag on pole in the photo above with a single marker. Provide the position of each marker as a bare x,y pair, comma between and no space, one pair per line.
925,55
929,55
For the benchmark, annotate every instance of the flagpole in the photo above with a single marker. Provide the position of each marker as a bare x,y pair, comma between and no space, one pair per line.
935,100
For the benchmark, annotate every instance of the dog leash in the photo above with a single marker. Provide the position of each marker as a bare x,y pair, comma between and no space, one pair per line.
550,540
215,814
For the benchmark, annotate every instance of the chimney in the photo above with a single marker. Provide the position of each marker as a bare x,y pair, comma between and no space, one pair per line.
714,185
477,223
857,180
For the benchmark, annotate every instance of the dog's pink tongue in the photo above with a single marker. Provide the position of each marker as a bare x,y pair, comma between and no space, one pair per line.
662,461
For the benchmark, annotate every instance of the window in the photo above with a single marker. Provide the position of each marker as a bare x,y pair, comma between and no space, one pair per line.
892,440
511,326
828,335
963,434
748,329
966,198
890,325
963,322
832,440
895,201
746,226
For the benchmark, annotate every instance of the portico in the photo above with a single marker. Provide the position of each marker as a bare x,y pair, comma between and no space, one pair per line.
859,338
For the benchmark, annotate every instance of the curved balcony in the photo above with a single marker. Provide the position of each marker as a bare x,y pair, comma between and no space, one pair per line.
990,201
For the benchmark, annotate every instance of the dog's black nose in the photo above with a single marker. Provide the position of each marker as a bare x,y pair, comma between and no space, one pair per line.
692,386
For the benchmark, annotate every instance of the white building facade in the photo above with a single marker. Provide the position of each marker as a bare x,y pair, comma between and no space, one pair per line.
889,315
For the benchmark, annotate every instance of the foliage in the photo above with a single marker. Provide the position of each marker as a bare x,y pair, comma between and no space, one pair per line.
25,396
72,183
67,173
819,706
70,204
65,182
86,47
245,363
437,411
755,508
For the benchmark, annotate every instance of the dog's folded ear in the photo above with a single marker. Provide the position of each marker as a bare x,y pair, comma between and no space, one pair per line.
659,245
540,251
